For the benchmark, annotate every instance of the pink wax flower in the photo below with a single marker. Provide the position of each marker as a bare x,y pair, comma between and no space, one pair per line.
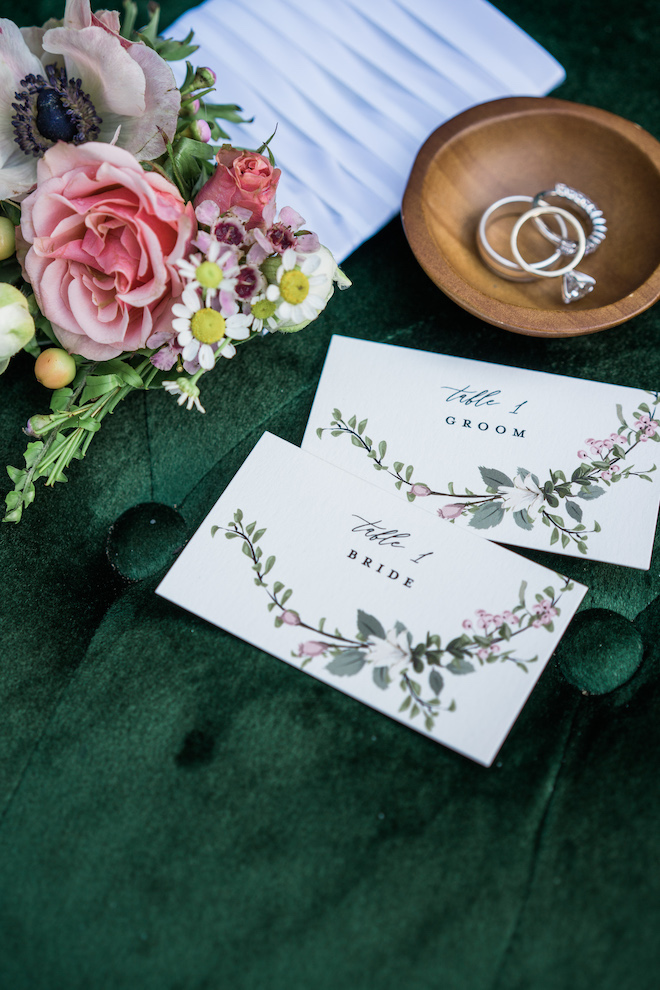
583,455
467,624
290,618
312,648
98,240
452,511
242,178
281,233
421,491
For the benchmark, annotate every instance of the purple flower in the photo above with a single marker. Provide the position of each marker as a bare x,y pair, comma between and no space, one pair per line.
290,618
421,491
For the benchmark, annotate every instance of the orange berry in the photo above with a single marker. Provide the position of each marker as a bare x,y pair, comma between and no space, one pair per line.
55,368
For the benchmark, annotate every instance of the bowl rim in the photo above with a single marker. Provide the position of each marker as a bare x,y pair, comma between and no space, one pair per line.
519,319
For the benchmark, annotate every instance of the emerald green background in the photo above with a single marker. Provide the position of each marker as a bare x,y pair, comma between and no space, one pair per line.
179,811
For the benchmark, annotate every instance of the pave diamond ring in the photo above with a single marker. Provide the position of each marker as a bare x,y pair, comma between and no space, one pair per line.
586,206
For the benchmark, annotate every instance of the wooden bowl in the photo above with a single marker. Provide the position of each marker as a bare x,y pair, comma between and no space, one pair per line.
524,145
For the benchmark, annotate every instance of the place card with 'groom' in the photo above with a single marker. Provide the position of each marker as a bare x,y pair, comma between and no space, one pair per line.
429,624
522,457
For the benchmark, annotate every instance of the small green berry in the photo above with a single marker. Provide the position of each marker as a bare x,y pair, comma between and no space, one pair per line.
7,238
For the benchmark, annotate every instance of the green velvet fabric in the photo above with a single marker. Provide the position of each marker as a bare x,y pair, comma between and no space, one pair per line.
179,811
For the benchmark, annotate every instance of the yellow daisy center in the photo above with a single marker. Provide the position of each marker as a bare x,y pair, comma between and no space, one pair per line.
263,309
208,274
294,286
208,326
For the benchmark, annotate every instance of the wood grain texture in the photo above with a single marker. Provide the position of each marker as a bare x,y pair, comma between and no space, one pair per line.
522,145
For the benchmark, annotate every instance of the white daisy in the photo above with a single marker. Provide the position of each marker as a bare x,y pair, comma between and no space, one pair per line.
187,391
199,328
209,272
300,294
263,314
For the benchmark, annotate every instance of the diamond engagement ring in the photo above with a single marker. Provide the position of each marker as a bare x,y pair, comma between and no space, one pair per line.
575,284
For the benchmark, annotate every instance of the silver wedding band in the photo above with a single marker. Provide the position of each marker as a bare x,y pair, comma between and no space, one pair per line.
505,267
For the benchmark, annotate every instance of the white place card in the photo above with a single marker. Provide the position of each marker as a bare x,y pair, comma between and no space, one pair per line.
354,88
428,624
521,457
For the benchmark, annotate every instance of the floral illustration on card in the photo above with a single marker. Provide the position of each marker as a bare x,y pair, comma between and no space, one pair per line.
398,658
558,501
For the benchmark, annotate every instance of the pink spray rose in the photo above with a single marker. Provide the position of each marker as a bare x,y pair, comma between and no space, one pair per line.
242,178
98,241
452,511
312,648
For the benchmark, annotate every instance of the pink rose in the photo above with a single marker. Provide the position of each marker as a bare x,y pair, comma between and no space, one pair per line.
103,236
242,178
312,648
452,511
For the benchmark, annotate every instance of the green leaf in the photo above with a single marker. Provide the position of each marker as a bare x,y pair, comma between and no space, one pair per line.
32,452
494,478
60,398
593,492
352,422
231,536
362,425
277,587
269,564
250,528
409,471
246,550
98,385
347,663
356,441
17,475
122,370
258,535
406,703
369,626
285,597
555,536
336,414
521,518
521,594
381,676
319,432
436,682
574,510
214,530
459,665
487,516
398,466
238,516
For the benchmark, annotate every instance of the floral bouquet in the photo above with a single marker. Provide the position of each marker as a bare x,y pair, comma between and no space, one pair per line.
134,252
